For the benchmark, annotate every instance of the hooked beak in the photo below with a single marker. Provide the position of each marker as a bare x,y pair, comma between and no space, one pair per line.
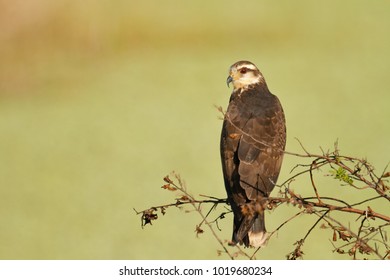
229,80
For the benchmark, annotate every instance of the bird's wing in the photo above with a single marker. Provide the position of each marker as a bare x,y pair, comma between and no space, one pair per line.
260,154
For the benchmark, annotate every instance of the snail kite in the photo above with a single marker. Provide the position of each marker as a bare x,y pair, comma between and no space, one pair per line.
252,145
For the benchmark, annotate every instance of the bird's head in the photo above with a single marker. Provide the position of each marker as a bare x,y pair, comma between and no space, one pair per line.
244,74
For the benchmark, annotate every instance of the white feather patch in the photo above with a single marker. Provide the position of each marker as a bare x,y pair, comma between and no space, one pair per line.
257,239
249,66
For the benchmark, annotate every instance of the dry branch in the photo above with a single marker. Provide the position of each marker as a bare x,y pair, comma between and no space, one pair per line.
355,173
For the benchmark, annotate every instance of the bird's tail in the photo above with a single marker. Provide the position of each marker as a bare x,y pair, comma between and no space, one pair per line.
251,231
257,234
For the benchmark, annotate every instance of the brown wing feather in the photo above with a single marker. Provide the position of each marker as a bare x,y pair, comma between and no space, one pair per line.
260,152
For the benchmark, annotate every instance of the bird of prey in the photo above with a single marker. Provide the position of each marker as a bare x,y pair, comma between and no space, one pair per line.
252,146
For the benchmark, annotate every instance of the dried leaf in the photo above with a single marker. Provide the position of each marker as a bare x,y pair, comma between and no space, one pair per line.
168,180
344,235
184,198
323,226
364,248
271,205
148,216
198,230
383,185
387,174
169,187
340,251
369,213
309,209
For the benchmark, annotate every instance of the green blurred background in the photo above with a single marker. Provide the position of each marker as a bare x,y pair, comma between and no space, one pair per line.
99,100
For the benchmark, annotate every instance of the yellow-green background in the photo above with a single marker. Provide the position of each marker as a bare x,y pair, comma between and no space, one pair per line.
99,100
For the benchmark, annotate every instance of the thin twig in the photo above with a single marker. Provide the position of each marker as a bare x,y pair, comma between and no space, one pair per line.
354,172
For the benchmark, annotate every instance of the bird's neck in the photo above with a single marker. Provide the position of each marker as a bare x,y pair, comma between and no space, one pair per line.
260,88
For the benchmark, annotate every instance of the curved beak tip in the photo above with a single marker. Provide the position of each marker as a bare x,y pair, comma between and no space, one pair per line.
229,80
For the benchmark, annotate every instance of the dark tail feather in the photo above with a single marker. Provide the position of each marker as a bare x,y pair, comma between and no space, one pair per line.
250,231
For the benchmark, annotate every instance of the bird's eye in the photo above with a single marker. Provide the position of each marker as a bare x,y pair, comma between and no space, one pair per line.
243,70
